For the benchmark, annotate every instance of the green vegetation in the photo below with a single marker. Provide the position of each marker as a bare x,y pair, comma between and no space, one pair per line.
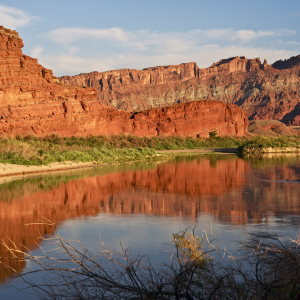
42,151
32,150
213,134
130,141
262,142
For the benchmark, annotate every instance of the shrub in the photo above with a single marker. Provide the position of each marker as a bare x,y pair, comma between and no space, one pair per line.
213,134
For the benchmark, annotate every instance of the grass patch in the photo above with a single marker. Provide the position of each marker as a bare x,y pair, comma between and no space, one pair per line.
130,141
31,150
42,151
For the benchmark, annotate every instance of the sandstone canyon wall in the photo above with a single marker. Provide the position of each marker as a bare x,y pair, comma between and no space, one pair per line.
263,91
33,102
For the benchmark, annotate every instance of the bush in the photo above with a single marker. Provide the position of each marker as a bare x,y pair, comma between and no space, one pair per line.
213,134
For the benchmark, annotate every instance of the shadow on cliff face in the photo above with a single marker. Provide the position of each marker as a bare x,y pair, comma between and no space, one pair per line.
226,187
295,113
287,63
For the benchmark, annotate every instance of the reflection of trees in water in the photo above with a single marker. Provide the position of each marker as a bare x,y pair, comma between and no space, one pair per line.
184,188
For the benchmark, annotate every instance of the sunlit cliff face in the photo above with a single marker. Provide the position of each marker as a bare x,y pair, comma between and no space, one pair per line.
263,91
186,188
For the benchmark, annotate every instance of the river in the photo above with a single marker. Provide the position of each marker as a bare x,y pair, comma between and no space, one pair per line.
142,204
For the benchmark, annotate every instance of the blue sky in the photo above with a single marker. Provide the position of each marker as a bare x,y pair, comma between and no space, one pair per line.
72,37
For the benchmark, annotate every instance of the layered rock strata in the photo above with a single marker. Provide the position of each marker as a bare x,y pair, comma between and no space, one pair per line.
74,118
32,102
263,91
24,82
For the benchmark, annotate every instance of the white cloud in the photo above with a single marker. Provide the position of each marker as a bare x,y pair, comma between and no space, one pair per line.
142,38
37,51
293,43
13,18
248,35
68,35
238,35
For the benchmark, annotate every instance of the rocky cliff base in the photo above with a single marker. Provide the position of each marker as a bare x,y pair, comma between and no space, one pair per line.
272,128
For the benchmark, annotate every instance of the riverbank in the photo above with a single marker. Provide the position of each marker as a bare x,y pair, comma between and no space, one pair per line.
26,155
7,170
33,151
204,150
262,144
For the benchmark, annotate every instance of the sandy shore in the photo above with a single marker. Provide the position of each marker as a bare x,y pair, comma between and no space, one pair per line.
8,170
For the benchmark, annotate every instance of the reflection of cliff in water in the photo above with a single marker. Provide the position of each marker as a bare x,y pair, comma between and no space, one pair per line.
226,187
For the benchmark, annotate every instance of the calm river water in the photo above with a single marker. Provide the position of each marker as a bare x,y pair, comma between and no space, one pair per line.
141,205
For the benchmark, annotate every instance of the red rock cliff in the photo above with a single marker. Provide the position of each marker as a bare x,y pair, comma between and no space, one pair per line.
262,90
193,119
33,102
24,82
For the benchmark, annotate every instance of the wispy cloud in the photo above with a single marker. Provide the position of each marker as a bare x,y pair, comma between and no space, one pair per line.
37,51
239,35
295,14
142,38
69,35
13,18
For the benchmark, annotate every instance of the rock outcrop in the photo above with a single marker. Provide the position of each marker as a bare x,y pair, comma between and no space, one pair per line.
287,63
33,102
263,91
25,82
270,128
